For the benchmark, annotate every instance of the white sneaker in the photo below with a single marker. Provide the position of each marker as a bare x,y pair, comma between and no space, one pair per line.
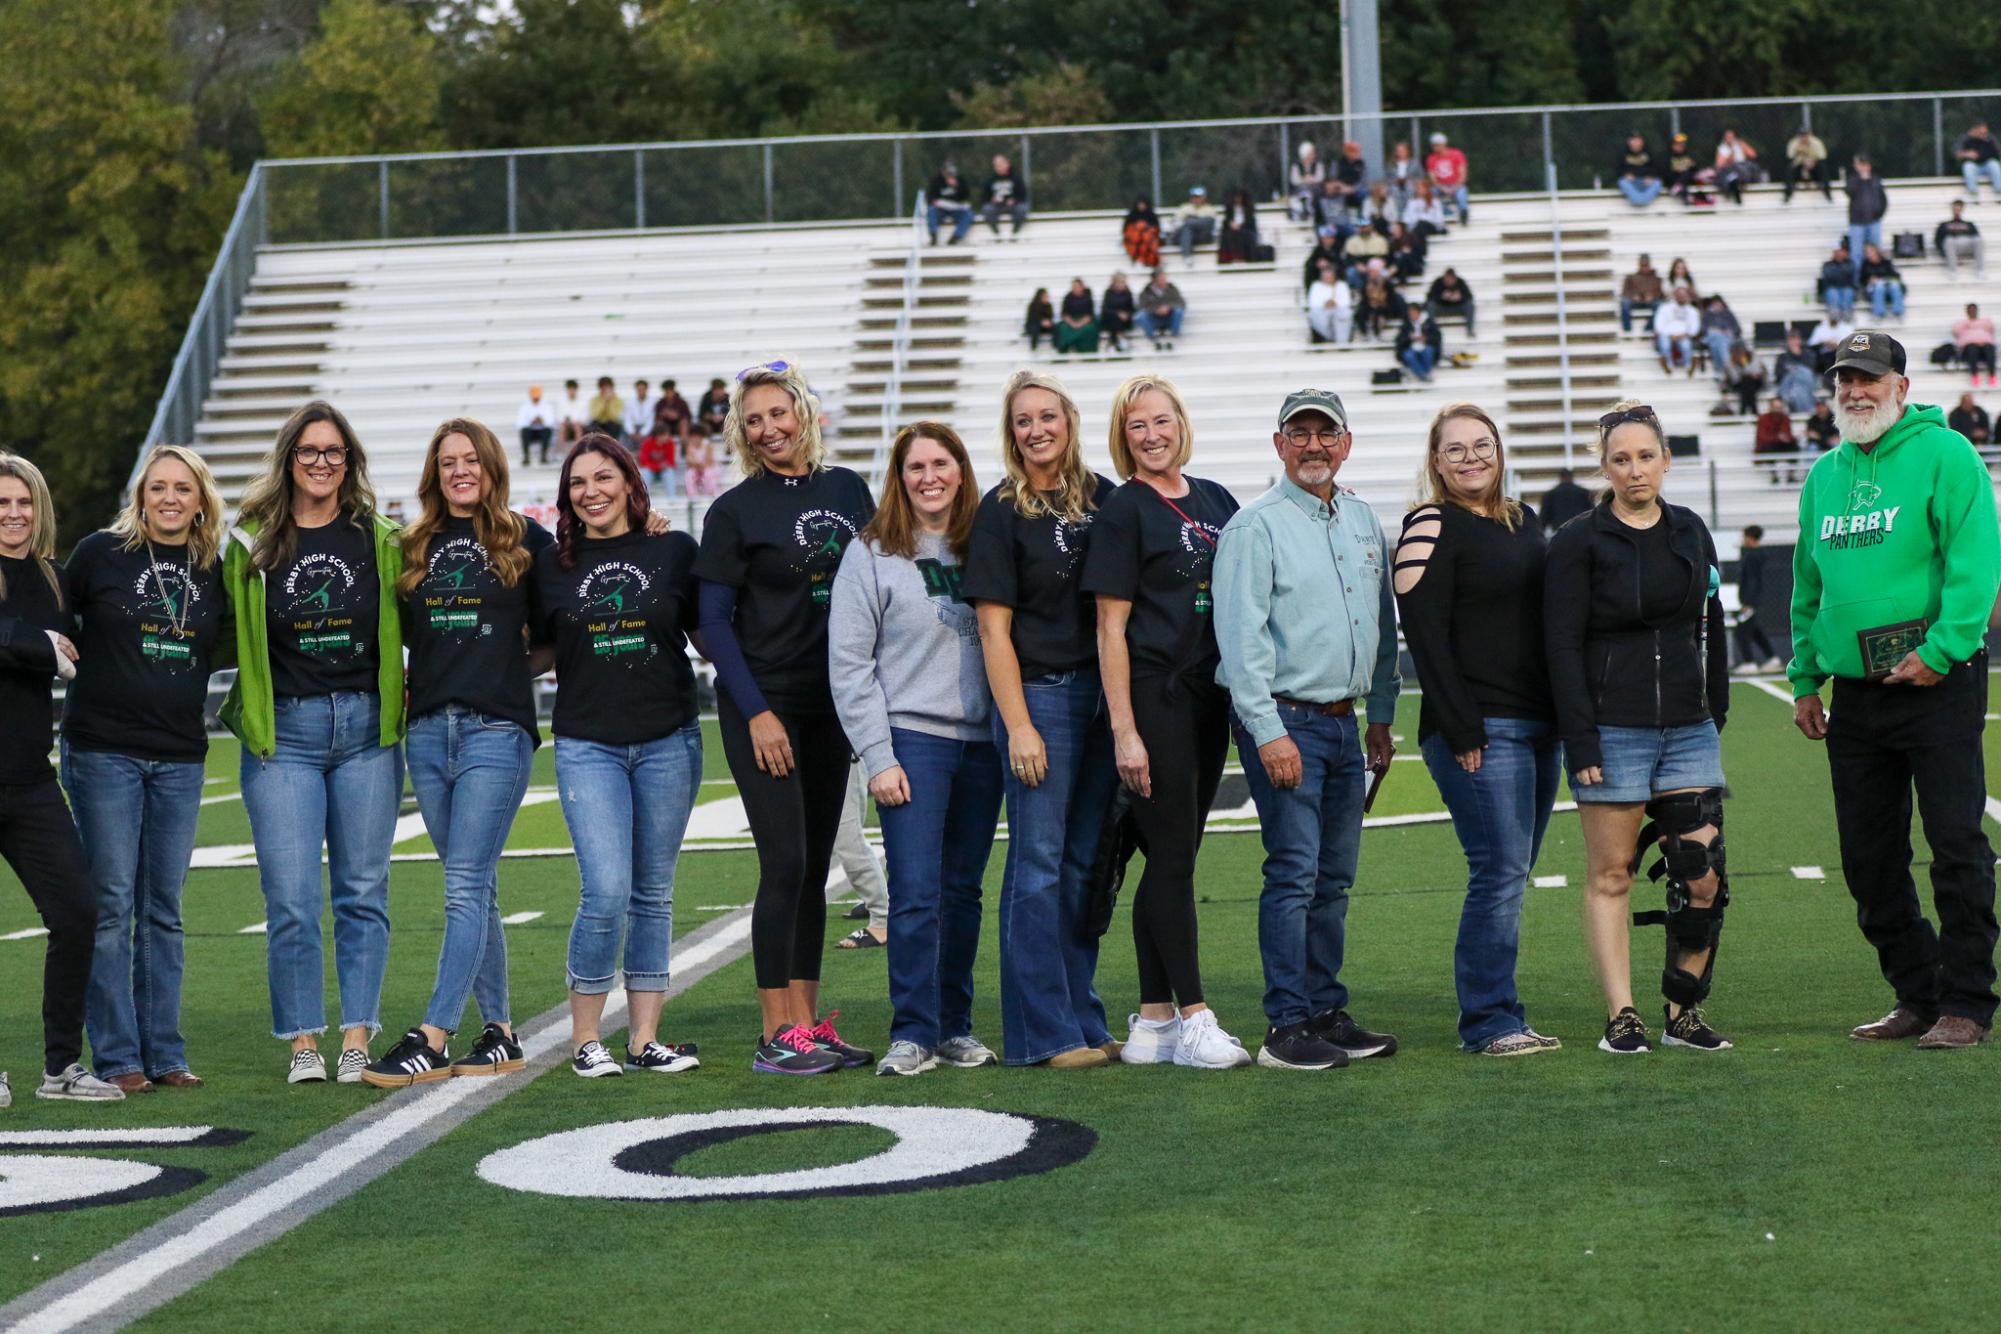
77,1084
1747,669
352,1062
1151,1041
968,1053
6,1093
308,1067
1206,1046
1774,664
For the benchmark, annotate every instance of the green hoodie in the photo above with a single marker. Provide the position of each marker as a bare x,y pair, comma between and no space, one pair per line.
248,711
1902,532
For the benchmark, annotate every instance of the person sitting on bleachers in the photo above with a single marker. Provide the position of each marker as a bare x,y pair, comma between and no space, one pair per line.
1639,177
1970,420
1115,312
1956,239
1640,291
1006,196
1141,233
1406,257
1806,163
1719,331
638,418
1446,166
663,439
1745,376
1973,336
1402,174
1424,214
1160,310
1826,338
658,456
1449,295
536,419
1303,181
1979,158
1330,306
607,409
1380,209
948,197
1237,241
1376,305
1823,432
1365,245
1793,372
1836,284
1736,165
714,409
1679,275
1194,223
1326,248
701,460
573,416
1352,172
1687,179
1077,329
1676,324
1882,281
672,409
1774,436
1419,344
1332,207
1041,321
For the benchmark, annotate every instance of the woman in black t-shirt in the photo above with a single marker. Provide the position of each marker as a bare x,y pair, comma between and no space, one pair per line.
151,616
770,548
1149,565
1038,631
1469,596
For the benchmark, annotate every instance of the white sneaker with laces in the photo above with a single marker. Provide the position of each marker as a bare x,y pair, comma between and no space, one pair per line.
308,1067
1151,1041
1204,1045
352,1062
967,1053
77,1084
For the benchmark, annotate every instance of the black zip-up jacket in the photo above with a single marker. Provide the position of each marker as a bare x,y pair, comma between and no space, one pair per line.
1609,666
1867,201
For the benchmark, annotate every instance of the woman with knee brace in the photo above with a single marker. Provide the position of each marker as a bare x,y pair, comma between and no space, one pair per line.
1149,567
1640,673
770,547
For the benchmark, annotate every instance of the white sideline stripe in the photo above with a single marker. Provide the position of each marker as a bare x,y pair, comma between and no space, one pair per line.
254,929
1782,696
30,934
1809,873
85,1139
1552,881
1994,809
517,918
221,797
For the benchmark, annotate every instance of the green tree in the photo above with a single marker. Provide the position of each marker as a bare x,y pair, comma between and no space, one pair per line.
369,84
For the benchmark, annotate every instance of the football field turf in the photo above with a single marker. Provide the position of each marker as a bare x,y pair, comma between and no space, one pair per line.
1799,1181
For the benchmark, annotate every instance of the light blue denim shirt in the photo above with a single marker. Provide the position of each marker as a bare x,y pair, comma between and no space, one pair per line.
1304,607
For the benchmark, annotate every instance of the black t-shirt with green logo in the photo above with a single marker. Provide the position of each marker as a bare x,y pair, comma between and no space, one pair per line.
322,613
777,541
1159,560
147,627
1036,567
620,620
464,628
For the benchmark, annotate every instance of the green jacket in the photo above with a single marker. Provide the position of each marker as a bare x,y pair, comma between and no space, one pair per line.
248,711
1902,532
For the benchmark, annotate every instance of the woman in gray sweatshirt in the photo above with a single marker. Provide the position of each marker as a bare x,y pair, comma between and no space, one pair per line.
910,685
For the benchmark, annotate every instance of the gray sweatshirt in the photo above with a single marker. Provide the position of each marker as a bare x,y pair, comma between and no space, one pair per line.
903,650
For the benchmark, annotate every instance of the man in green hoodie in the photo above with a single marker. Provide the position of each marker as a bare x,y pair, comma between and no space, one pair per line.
1894,582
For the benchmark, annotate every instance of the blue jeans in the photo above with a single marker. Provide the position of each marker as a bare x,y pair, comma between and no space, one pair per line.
1419,361
1154,326
1859,235
332,781
1974,172
1049,1003
1312,836
469,771
1718,344
1626,308
137,818
1887,292
937,844
962,220
1639,191
627,808
1675,349
1840,300
1500,814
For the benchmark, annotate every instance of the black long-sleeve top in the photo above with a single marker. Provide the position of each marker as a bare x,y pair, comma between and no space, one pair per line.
27,671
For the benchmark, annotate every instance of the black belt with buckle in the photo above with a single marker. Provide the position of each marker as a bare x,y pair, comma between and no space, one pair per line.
1340,708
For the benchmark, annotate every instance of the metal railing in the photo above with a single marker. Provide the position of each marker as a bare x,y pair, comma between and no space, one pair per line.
899,344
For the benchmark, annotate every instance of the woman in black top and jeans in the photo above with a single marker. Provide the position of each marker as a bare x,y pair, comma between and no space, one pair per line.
1469,575
1640,673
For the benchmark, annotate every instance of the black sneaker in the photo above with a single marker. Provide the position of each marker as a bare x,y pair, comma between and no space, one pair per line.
1625,1034
1297,1047
494,1053
662,1059
1689,1030
410,1061
592,1061
1359,1043
829,1037
792,1051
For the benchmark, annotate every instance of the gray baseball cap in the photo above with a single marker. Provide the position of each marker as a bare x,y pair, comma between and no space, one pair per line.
1313,400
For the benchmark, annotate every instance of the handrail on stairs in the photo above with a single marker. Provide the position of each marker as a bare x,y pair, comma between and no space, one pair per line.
899,345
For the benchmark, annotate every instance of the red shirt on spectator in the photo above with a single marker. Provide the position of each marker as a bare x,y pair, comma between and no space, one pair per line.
1447,166
656,453
1775,434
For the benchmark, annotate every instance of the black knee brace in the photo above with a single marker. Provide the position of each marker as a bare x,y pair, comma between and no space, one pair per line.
1690,930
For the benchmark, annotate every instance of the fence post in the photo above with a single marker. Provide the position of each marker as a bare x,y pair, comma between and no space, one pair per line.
1153,137
896,178
1938,136
1715,508
1284,161
1674,120
1548,148
639,188
513,194
263,206
1806,118
382,195
1025,161
769,215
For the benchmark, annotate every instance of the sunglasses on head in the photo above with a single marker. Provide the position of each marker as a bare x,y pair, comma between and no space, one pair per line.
1641,413
779,366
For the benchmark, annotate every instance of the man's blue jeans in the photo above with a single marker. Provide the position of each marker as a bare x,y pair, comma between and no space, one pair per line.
1675,349
1155,326
1887,294
1049,1002
1500,814
627,808
1841,300
469,771
1860,234
1420,361
937,845
1628,306
1639,191
962,220
1972,173
1312,836
137,818
331,781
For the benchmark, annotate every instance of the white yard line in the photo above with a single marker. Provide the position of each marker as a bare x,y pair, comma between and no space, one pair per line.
30,934
519,918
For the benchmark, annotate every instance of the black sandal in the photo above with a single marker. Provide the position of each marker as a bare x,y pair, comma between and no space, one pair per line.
861,938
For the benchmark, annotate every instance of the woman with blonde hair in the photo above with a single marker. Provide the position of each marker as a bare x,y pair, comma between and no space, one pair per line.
1149,567
310,569
152,623
38,839
1468,577
770,547
1038,635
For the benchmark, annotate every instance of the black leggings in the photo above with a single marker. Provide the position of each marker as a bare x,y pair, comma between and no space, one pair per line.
39,840
793,821
1187,733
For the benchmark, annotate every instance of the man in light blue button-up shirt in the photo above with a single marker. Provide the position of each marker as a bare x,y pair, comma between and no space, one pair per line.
1306,621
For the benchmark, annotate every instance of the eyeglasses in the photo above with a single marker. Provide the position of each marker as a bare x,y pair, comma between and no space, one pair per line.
780,366
1640,413
1301,439
1479,449
307,455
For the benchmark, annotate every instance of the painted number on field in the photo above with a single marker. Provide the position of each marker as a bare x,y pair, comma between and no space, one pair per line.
32,1183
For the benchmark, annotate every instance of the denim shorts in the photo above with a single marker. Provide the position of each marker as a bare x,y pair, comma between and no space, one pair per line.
1640,761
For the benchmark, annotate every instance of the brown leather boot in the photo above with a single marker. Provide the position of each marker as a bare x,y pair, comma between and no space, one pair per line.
1077,1058
131,1083
1952,1030
179,1079
1900,1023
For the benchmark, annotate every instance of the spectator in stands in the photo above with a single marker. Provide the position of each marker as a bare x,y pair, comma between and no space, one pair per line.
1687,180
1160,311
1364,247
1956,239
1794,376
1973,336
1806,163
1376,306
1419,345
657,455
1970,420
1745,376
536,418
638,419
1238,239
1837,282
948,197
673,410
1736,166
1449,295
1304,179
1679,275
1563,501
1327,248
1379,210
1774,435
1882,281
1141,233
664,440
1330,306
1826,338
1639,176
1194,223
573,416
1403,174
1352,172
1423,214
1754,646
1041,321
607,409
1720,331
1823,432
1006,196
1867,203
1446,166
1077,329
714,409
701,461
1640,291
1979,158
1676,324
1406,257
1115,312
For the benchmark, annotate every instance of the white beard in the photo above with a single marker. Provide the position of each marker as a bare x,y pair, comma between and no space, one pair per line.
1874,426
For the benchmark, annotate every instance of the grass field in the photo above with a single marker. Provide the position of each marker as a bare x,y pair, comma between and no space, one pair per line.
1800,1181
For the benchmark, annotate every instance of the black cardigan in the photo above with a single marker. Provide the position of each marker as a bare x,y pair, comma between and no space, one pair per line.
1610,666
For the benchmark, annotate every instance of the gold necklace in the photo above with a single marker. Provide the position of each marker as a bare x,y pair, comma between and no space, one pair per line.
180,617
